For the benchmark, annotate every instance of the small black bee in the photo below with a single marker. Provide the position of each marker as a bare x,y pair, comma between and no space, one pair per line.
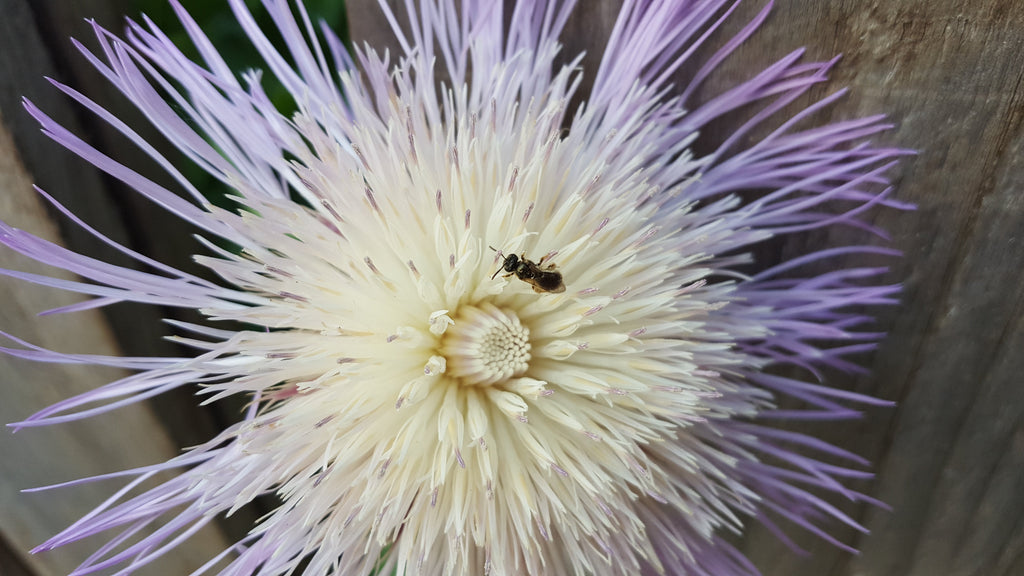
542,279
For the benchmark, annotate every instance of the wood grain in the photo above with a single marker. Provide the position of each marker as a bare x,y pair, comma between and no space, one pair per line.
38,457
105,202
124,439
119,211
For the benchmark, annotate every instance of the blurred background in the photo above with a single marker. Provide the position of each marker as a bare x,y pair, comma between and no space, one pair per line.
949,458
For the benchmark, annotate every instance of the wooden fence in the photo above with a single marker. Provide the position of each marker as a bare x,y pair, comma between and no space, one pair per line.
949,458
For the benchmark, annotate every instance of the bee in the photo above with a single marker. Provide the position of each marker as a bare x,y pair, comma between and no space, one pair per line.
542,279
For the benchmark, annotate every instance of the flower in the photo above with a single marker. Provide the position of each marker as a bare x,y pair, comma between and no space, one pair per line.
483,329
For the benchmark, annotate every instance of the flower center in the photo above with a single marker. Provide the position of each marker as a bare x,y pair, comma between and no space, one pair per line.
486,345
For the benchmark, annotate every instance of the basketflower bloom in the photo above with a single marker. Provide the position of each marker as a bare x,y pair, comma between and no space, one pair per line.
483,329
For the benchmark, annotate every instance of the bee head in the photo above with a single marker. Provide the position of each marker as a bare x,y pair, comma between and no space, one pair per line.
508,264
511,263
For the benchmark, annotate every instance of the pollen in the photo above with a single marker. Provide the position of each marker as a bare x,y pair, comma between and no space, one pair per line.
486,345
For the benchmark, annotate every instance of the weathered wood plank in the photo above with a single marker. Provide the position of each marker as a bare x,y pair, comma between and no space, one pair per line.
111,206
24,59
35,457
11,563
137,222
950,75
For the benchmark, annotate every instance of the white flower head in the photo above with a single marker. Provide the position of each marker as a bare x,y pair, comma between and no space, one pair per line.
486,330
